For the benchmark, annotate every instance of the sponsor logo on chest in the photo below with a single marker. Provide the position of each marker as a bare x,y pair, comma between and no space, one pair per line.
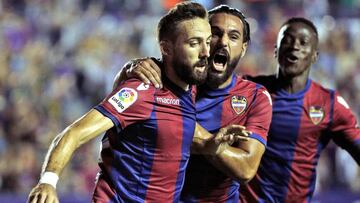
239,104
168,101
316,114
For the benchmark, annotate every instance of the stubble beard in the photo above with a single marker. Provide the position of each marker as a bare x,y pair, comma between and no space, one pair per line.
188,73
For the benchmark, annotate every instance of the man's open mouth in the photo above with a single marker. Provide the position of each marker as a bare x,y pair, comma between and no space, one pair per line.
220,60
291,58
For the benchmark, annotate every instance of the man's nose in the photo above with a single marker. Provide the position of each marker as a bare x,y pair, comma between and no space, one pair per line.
205,50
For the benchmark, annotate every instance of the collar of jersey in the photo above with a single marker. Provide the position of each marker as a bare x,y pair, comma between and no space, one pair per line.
296,95
219,91
178,91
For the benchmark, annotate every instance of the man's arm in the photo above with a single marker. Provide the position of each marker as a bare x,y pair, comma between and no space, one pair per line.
145,69
206,143
241,160
62,148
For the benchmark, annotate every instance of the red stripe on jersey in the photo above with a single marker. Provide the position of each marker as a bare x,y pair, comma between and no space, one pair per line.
103,193
303,167
166,148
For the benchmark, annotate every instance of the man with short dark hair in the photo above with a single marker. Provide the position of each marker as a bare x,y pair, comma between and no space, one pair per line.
146,147
225,99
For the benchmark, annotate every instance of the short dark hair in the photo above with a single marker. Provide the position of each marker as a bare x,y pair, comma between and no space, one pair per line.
182,11
302,20
233,11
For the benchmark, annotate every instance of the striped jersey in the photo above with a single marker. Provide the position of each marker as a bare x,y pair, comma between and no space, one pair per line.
145,154
242,102
302,125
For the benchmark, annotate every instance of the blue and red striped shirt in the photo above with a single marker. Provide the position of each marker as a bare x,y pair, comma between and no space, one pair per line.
144,156
302,125
242,102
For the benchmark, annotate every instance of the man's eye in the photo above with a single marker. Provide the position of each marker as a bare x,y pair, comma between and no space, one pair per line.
193,44
234,37
304,42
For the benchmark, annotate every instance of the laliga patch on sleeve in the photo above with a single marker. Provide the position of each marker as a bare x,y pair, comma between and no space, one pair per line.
343,102
123,99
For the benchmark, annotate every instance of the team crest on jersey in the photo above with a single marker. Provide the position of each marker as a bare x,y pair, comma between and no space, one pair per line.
316,114
123,99
239,104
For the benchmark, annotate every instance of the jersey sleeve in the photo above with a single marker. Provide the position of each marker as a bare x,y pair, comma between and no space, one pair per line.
344,128
130,102
260,115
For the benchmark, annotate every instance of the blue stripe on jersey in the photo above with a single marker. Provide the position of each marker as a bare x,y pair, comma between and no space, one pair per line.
146,167
109,115
210,106
287,112
215,113
259,138
188,129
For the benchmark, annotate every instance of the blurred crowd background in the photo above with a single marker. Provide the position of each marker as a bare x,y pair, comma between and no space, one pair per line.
58,59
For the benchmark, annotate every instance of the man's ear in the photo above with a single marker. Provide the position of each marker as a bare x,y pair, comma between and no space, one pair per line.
166,47
244,49
315,56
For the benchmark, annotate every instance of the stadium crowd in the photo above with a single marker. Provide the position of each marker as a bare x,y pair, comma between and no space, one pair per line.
59,58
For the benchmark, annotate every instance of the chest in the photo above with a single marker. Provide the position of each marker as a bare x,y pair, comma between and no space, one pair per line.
216,112
307,117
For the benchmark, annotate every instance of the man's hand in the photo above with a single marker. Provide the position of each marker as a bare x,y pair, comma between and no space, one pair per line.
206,143
228,135
146,70
232,133
43,193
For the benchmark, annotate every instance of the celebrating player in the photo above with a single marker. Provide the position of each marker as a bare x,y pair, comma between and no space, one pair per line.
225,99
306,116
143,157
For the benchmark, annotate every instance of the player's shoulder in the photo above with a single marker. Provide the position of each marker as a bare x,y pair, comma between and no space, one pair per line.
322,92
252,88
318,89
135,88
135,84
245,82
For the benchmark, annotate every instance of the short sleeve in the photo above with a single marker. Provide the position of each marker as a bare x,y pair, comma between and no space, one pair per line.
130,102
345,129
259,116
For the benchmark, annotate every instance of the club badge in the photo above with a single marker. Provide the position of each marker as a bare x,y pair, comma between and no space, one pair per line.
316,114
239,104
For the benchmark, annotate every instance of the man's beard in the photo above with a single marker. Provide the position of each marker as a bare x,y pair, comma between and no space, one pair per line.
215,79
188,74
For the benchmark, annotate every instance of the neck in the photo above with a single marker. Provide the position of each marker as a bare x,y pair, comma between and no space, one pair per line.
294,84
226,83
173,77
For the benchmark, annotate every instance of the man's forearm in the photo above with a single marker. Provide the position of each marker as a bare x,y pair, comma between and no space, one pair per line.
236,163
202,142
59,153
81,131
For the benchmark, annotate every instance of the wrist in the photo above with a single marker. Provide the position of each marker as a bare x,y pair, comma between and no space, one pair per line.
50,178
